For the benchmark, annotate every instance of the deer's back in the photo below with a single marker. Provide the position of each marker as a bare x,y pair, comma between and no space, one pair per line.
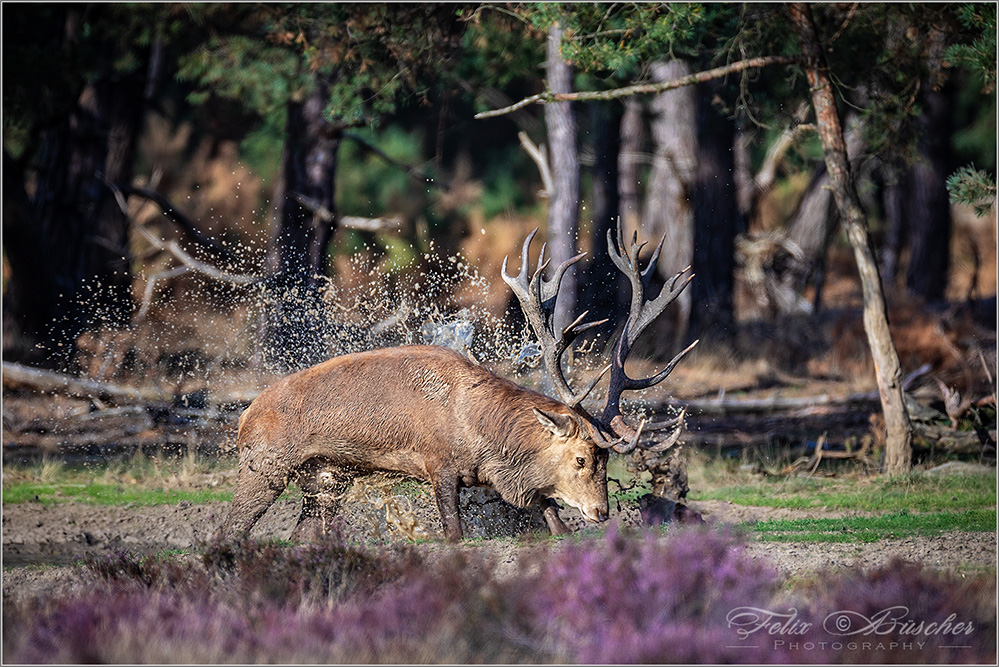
394,408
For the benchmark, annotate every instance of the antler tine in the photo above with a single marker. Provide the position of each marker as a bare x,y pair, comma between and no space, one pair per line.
652,381
642,313
550,288
672,283
537,297
669,423
650,268
672,438
626,443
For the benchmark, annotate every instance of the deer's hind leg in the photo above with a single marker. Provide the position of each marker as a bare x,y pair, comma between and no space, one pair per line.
323,487
262,477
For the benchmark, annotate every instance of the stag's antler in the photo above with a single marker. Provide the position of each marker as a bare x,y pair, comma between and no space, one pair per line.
642,313
537,298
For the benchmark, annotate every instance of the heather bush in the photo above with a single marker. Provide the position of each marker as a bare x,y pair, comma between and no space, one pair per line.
645,598
123,565
885,615
621,598
320,572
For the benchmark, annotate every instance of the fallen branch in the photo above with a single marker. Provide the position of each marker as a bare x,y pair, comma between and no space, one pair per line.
174,248
725,405
643,88
18,376
205,268
147,294
372,224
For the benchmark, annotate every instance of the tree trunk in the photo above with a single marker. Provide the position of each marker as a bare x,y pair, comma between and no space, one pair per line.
68,243
814,221
928,204
716,221
893,205
668,210
898,453
563,208
629,163
604,285
298,331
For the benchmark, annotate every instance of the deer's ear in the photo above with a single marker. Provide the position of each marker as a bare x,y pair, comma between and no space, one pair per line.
556,423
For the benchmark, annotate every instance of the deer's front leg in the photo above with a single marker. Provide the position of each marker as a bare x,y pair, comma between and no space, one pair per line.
446,493
555,524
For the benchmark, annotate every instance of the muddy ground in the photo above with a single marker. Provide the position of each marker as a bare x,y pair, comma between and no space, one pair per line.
59,535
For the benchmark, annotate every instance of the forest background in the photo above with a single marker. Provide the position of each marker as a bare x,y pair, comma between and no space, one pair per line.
195,195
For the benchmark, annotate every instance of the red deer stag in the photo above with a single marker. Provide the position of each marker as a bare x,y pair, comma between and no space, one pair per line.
430,413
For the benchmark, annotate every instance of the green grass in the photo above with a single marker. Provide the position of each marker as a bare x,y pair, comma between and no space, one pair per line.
140,481
918,492
97,493
871,529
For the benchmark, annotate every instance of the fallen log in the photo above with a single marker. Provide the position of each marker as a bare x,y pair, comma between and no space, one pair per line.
17,376
725,405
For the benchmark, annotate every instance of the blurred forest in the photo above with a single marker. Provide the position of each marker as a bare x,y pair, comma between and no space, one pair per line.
202,195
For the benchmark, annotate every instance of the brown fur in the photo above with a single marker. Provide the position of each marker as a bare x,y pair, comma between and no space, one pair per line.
423,411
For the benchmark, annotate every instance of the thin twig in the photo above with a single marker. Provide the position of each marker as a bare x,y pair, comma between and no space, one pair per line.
846,22
643,88
540,157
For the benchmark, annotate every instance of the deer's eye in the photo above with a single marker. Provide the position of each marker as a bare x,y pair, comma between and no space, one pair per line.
580,461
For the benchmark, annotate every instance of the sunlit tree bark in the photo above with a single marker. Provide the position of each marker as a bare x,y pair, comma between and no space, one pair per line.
563,210
898,454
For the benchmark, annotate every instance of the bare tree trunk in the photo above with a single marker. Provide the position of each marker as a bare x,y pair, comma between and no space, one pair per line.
898,452
814,221
603,291
745,185
810,228
563,209
298,330
928,202
629,163
668,209
893,204
716,221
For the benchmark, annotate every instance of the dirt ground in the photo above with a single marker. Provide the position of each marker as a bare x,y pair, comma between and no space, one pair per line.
57,536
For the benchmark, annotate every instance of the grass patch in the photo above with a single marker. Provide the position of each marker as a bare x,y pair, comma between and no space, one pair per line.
917,491
141,481
96,493
872,529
